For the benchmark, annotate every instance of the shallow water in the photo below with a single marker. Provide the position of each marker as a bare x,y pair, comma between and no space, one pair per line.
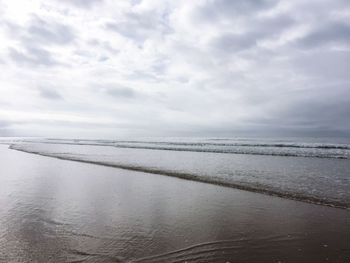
60,211
317,180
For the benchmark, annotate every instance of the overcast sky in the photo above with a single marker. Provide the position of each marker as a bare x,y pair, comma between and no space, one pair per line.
106,68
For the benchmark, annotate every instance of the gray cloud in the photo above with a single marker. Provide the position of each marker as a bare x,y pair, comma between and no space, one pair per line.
35,39
40,32
264,28
140,26
141,75
121,92
6,132
49,93
214,10
235,42
43,32
322,113
12,29
82,3
4,124
324,64
5,128
32,56
333,33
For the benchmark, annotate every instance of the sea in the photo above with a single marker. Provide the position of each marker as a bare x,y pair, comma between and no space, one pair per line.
314,170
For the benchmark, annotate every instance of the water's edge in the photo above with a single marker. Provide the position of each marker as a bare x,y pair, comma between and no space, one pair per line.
192,177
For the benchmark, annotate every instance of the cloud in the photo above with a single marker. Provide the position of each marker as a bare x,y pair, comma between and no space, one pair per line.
217,9
4,124
121,92
205,67
81,3
139,26
49,93
35,43
235,42
305,111
33,57
332,33
5,128
328,65
42,32
247,37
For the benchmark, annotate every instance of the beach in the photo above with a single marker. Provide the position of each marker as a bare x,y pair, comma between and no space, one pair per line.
158,131
63,211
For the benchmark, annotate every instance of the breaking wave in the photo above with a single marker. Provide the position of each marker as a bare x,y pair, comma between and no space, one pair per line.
315,150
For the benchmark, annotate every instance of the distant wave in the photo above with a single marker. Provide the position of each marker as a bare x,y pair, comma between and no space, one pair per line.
315,150
245,150
253,187
278,145
245,144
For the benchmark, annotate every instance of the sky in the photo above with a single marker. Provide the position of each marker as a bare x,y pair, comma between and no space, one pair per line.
106,68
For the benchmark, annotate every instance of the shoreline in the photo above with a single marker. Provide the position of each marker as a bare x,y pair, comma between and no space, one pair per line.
71,211
191,177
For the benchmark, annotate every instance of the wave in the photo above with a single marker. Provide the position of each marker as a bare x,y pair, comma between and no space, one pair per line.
278,145
229,144
247,186
221,250
315,150
254,150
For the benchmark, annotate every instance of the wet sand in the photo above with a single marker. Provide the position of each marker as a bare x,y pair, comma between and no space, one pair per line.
62,211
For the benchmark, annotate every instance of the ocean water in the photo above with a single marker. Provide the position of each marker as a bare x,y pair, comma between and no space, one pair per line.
309,170
55,210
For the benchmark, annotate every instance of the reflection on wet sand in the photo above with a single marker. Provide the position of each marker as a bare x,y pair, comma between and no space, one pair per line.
61,211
